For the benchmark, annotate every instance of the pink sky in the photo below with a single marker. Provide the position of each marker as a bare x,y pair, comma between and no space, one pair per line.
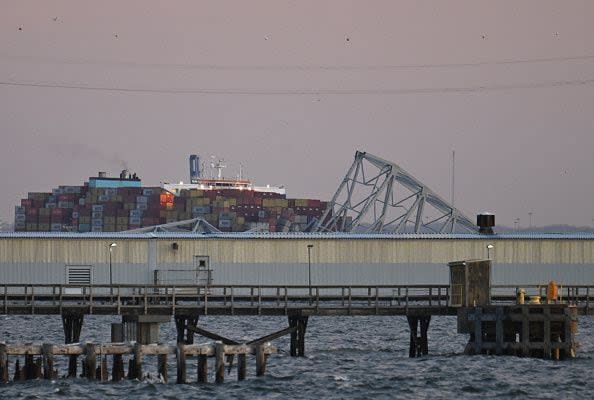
519,149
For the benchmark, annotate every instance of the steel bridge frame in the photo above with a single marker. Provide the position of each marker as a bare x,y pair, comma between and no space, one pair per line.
345,214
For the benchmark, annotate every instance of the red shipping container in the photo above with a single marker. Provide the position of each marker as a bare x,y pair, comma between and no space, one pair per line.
67,197
314,203
57,212
26,203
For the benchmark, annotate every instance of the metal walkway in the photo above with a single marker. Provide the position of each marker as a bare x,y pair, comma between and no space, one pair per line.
408,300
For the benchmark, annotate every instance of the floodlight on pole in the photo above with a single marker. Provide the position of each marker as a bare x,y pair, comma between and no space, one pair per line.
309,247
111,247
489,247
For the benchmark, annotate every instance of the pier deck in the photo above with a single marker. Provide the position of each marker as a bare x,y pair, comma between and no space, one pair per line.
258,300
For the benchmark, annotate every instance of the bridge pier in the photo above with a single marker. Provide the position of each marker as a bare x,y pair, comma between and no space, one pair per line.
419,345
72,324
299,322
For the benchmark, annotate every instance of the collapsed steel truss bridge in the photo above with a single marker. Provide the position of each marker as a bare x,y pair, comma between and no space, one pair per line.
379,196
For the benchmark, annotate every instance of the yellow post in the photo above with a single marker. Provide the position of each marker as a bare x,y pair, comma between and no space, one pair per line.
520,296
552,292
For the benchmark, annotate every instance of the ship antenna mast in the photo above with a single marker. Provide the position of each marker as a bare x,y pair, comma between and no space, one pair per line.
220,167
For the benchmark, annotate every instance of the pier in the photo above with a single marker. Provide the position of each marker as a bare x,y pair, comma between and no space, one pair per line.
39,360
497,319
327,300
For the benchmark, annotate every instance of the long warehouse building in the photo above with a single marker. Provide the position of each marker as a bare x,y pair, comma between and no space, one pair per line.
288,259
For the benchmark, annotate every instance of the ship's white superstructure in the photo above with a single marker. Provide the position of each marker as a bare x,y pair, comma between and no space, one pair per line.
202,180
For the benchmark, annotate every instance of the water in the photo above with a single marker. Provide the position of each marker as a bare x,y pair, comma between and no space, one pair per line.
346,358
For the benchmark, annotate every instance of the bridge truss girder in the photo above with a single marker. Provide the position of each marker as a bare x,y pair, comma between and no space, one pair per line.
194,225
379,196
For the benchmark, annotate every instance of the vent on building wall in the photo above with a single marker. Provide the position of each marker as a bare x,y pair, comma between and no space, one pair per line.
78,274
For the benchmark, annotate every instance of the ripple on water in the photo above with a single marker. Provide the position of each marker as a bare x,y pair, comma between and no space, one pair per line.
346,360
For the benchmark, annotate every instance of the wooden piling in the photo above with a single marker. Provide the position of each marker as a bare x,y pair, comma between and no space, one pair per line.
131,372
219,362
94,368
241,367
260,360
117,336
48,361
162,366
424,346
72,325
117,368
104,373
202,368
299,324
138,360
3,364
413,326
29,367
37,368
18,373
90,361
181,363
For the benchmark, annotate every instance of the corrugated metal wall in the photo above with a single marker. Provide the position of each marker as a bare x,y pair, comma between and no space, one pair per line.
285,261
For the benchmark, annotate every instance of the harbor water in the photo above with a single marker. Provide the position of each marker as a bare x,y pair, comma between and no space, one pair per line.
346,358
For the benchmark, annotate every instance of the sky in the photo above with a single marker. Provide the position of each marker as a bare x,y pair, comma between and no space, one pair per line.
291,89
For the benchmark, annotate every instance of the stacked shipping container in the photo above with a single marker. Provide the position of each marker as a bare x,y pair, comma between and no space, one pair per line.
92,209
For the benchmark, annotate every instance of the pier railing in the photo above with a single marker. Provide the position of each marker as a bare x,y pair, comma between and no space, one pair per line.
222,299
259,299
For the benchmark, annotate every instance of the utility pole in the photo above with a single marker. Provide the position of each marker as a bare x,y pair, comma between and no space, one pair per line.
309,247
452,189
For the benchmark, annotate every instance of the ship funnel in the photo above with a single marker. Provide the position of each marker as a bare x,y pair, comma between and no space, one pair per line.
194,168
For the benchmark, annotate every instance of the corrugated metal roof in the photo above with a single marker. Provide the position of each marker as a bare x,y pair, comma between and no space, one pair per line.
296,235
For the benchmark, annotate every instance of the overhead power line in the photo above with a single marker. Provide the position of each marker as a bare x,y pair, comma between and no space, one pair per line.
320,67
280,92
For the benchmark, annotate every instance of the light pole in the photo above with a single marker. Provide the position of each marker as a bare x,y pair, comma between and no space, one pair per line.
309,247
489,247
111,247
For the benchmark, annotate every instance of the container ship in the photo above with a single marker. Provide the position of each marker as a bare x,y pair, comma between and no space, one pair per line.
115,204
